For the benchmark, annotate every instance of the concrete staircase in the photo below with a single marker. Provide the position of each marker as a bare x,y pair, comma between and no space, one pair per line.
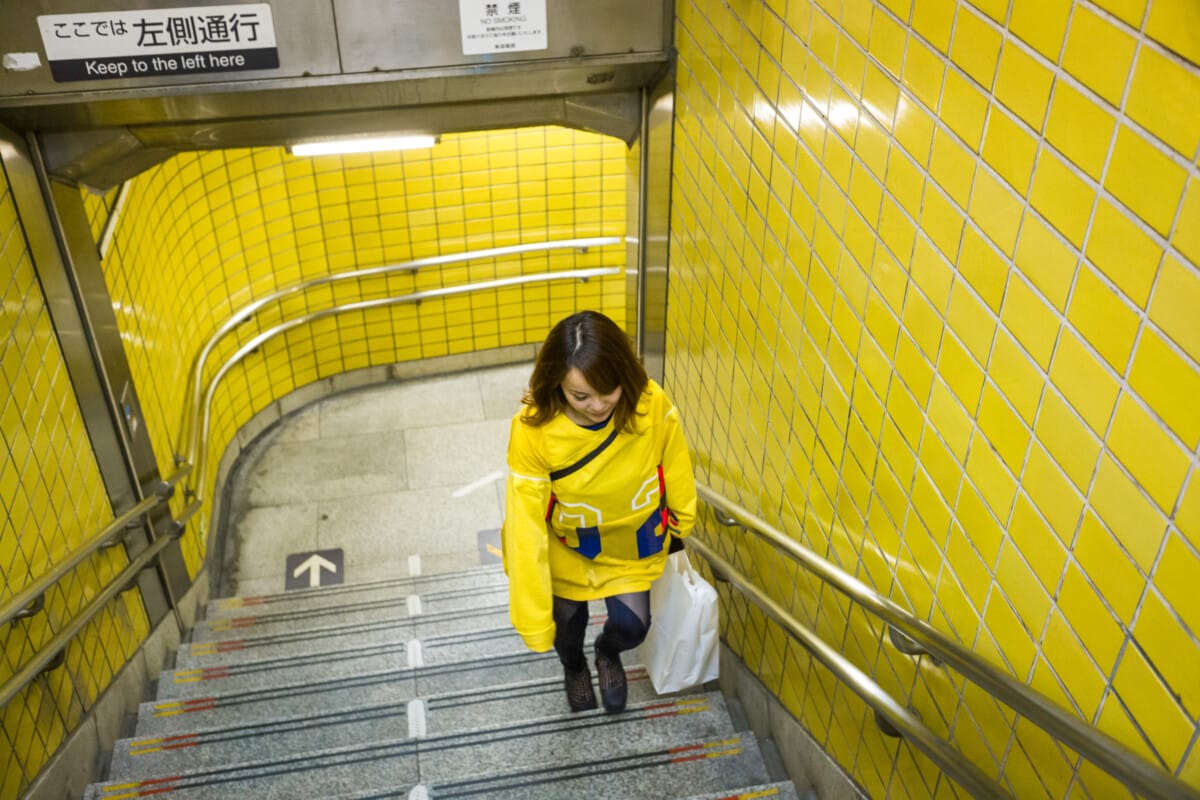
413,688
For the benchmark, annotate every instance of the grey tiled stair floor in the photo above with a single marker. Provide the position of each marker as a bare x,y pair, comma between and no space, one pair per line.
324,635
361,609
445,724
314,601
584,755
442,659
766,791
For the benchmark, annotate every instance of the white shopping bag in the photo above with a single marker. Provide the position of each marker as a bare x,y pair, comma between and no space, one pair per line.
681,649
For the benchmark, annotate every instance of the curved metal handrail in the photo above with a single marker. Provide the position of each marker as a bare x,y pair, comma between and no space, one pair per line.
44,658
977,782
1143,777
187,430
20,604
204,409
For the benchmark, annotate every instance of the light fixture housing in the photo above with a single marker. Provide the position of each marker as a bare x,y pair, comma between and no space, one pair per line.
362,144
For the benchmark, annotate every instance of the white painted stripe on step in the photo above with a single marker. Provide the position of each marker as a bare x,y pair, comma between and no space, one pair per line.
416,719
414,605
479,484
414,564
418,793
415,658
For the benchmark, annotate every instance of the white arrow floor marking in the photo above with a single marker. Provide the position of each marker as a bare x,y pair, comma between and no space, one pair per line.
313,565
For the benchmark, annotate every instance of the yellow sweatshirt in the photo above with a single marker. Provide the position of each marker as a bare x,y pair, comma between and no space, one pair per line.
605,534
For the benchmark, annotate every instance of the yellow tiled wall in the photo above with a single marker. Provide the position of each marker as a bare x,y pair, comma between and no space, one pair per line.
934,312
204,234
52,498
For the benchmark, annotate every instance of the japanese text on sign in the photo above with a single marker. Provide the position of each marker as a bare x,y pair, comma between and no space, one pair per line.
492,27
165,41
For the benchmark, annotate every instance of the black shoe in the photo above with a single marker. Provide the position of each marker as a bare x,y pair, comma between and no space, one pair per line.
580,696
613,691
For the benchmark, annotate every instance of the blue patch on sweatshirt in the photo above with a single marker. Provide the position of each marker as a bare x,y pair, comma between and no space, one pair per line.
589,542
649,536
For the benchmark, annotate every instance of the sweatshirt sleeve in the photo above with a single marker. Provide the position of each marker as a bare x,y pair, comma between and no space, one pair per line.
677,474
525,542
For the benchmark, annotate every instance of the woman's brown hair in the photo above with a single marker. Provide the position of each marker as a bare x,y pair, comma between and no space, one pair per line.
593,344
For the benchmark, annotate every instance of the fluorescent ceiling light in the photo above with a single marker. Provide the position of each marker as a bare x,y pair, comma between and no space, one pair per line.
361,145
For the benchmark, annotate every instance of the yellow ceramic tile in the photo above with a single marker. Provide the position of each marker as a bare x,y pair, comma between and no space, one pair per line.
963,108
1023,84
1165,97
997,210
905,180
1099,53
1145,180
960,371
1157,462
1022,588
1187,516
1052,493
1010,150
1069,441
1125,253
1042,24
1011,636
1154,708
950,420
984,268
1129,514
976,46
924,72
1176,298
1187,228
1081,128
1046,260
994,483
888,38
1170,383
1084,381
933,19
1085,611
942,222
1041,548
1104,318
1016,375
1069,660
1062,197
1175,578
1109,568
972,321
1171,647
1174,23
1027,316
952,166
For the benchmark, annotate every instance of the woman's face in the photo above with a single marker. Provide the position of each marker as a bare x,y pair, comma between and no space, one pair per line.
587,406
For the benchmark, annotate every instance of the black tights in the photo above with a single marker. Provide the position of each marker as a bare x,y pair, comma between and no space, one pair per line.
628,621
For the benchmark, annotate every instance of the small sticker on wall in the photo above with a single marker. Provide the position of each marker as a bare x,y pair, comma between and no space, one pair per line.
501,26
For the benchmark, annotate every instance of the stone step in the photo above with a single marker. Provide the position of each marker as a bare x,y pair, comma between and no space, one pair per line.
584,755
304,638
442,721
465,651
301,600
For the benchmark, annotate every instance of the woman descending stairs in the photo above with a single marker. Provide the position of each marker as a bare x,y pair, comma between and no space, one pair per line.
411,688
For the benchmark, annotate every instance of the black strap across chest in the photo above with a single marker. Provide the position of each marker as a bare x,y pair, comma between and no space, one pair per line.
559,474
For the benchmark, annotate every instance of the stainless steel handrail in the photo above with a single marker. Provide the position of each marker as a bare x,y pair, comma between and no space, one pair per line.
977,782
17,606
187,430
205,408
50,651
1143,777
